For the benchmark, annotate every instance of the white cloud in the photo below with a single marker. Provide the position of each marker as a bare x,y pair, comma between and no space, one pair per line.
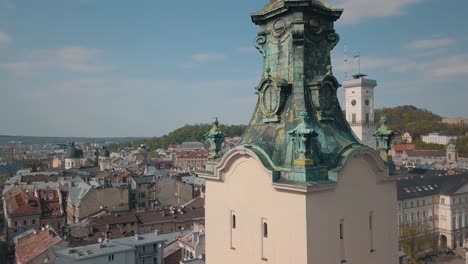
356,11
70,58
426,44
199,58
80,59
448,67
246,49
206,57
5,38
368,63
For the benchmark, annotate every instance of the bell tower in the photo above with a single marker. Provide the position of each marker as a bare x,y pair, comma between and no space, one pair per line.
300,187
359,97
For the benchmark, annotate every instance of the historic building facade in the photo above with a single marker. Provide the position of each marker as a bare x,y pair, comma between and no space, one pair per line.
299,187
438,204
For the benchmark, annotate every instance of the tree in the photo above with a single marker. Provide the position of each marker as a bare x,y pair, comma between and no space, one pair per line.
415,239
462,146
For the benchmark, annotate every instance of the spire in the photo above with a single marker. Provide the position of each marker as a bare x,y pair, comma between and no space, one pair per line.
298,125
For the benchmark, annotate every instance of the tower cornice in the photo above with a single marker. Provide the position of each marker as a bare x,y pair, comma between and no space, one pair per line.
280,7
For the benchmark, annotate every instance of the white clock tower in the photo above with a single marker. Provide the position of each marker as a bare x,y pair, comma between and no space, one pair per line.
359,96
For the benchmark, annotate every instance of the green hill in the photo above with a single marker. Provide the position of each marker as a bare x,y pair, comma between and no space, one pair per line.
189,133
418,122
402,119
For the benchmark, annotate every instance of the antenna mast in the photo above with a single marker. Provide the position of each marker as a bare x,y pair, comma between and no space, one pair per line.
346,61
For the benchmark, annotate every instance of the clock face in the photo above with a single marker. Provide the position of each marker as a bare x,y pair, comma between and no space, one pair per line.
270,99
353,102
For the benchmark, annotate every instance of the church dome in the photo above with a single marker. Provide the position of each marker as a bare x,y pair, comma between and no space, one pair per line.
73,152
104,152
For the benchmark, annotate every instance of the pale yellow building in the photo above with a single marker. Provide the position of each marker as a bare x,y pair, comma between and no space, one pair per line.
300,187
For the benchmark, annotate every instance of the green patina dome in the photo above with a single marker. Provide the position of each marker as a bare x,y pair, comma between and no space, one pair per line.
298,127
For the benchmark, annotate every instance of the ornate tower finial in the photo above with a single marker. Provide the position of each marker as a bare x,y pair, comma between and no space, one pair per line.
301,136
384,136
215,138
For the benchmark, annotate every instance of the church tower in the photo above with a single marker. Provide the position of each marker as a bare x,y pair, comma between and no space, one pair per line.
359,97
300,187
452,154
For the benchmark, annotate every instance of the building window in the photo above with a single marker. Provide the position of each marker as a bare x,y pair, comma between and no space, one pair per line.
454,223
406,205
353,119
412,204
417,203
264,241
111,258
367,118
233,224
24,222
418,215
399,206
424,214
341,229
342,248
424,202
400,219
442,200
371,231
33,221
15,223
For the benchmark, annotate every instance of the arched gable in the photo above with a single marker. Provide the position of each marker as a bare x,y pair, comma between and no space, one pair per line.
230,158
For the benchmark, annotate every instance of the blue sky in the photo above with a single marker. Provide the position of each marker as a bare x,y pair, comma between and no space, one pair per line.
144,68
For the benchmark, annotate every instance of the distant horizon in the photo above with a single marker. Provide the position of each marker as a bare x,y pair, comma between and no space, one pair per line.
192,124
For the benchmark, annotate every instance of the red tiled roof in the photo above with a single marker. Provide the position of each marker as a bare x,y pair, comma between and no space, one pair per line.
195,210
33,245
115,218
425,153
50,203
403,147
192,154
23,204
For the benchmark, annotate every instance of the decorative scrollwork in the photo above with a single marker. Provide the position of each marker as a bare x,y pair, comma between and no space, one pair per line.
279,28
273,93
334,38
260,42
316,26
